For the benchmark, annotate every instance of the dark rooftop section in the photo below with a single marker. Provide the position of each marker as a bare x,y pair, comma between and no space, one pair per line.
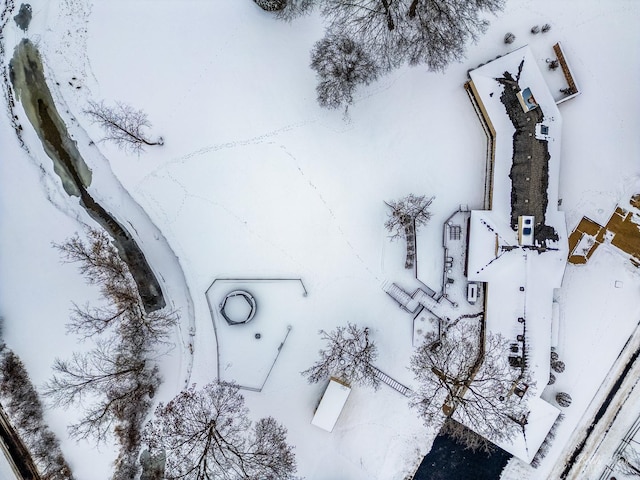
530,168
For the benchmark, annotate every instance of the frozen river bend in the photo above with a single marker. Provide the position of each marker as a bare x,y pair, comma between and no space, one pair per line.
28,80
135,244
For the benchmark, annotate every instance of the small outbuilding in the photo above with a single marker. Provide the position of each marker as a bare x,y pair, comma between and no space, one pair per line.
331,404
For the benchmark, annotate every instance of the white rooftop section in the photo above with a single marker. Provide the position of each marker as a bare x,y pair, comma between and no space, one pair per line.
331,405
520,278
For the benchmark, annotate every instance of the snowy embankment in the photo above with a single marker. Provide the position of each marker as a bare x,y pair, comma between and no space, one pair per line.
105,188
256,180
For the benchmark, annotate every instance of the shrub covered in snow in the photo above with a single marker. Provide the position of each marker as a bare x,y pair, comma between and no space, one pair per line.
563,399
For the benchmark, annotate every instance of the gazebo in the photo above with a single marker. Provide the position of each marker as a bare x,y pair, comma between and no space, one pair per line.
238,307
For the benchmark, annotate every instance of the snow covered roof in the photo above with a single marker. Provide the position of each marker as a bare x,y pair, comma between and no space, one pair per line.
521,278
331,405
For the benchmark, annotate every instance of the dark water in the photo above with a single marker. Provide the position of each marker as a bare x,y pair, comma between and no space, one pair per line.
449,460
31,88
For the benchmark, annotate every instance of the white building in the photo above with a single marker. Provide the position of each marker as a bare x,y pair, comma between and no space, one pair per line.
331,405
518,245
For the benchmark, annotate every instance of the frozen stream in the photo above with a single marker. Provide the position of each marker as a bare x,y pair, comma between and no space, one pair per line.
100,193
28,80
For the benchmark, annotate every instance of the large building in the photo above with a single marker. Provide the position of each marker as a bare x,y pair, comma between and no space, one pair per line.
518,244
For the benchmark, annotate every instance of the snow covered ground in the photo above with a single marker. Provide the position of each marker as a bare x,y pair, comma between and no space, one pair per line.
255,180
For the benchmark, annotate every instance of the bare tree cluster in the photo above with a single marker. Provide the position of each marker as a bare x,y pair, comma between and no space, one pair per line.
460,376
397,32
116,379
207,434
348,355
123,125
24,408
406,216
341,64
411,31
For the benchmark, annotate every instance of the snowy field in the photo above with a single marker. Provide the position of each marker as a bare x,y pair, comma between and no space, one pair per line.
256,181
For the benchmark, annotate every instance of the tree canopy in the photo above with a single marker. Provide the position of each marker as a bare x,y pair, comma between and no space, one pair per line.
471,384
207,434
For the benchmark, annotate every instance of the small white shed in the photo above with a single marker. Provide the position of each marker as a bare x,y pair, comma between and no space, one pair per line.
331,404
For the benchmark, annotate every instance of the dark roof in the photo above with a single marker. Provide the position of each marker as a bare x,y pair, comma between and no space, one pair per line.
530,165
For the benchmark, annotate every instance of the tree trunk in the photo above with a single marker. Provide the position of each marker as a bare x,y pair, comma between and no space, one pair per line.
410,237
387,12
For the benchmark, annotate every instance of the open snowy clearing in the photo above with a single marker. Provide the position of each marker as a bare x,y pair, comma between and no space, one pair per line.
255,180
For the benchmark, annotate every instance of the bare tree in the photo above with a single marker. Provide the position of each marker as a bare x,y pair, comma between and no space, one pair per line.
99,262
123,125
459,375
349,355
114,381
558,366
407,215
341,65
207,434
629,462
412,31
111,376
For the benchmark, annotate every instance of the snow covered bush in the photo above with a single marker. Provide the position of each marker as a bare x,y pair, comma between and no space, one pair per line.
535,29
509,38
341,65
563,399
